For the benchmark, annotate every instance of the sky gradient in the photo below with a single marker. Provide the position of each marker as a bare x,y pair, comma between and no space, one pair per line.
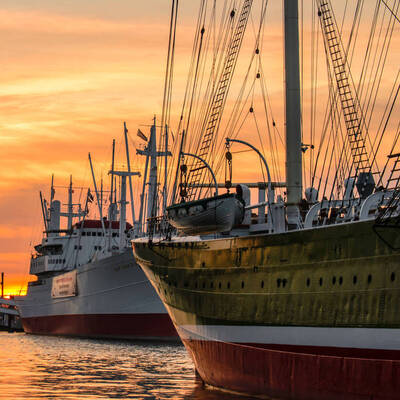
72,72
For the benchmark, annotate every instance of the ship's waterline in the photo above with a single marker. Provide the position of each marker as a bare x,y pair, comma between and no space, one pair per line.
282,315
113,300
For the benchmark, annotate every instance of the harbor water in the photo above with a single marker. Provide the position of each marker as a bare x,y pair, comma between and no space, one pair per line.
48,367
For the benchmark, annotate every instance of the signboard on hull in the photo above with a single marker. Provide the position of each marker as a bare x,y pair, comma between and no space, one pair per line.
64,285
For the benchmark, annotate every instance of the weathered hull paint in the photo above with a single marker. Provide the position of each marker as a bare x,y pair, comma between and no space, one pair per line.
115,326
292,375
334,279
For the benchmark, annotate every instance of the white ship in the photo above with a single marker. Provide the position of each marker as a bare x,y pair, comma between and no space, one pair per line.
88,283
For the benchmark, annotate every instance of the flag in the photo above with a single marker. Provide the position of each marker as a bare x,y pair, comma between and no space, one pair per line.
90,197
141,135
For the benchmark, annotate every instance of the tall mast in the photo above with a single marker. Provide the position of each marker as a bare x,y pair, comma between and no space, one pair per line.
293,112
122,215
123,202
165,170
142,196
70,206
111,209
128,161
152,198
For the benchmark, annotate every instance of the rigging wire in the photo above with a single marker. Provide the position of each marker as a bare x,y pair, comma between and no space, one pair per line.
392,12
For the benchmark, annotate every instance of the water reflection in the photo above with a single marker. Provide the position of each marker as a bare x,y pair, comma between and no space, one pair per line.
45,367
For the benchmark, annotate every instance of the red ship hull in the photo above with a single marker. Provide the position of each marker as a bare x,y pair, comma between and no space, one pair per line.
292,375
116,326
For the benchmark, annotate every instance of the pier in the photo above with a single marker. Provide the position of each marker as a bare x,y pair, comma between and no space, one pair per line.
9,316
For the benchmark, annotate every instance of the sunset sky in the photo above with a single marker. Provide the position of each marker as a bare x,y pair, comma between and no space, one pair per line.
72,72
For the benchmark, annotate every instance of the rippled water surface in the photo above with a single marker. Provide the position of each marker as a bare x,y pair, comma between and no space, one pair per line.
47,367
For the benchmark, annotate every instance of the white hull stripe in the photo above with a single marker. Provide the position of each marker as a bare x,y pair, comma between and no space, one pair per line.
362,338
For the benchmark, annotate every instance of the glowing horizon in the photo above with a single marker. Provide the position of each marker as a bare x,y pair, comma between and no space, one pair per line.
72,75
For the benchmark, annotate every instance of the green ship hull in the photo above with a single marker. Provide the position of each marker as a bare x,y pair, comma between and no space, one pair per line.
315,295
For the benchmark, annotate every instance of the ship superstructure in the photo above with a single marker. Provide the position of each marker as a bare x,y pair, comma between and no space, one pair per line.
88,284
299,301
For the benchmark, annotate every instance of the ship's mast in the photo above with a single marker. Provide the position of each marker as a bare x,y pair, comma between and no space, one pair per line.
152,198
293,112
128,161
70,206
122,213
151,154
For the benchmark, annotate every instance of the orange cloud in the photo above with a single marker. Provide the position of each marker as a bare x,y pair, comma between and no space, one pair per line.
69,81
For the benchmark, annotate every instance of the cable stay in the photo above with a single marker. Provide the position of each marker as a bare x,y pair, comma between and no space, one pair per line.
213,116
350,106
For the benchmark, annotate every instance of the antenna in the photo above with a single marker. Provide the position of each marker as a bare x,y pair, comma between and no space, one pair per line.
52,191
44,212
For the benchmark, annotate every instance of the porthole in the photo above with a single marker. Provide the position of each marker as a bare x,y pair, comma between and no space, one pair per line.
204,285
242,284
228,285
262,284
354,279
203,264
392,276
219,285
320,281
211,285
308,282
334,280
278,282
284,281
369,279
340,280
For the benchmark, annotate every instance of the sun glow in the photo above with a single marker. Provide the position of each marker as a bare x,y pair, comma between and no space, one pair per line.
72,73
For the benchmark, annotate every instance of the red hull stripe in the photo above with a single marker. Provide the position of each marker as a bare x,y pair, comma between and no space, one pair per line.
332,351
288,375
130,326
